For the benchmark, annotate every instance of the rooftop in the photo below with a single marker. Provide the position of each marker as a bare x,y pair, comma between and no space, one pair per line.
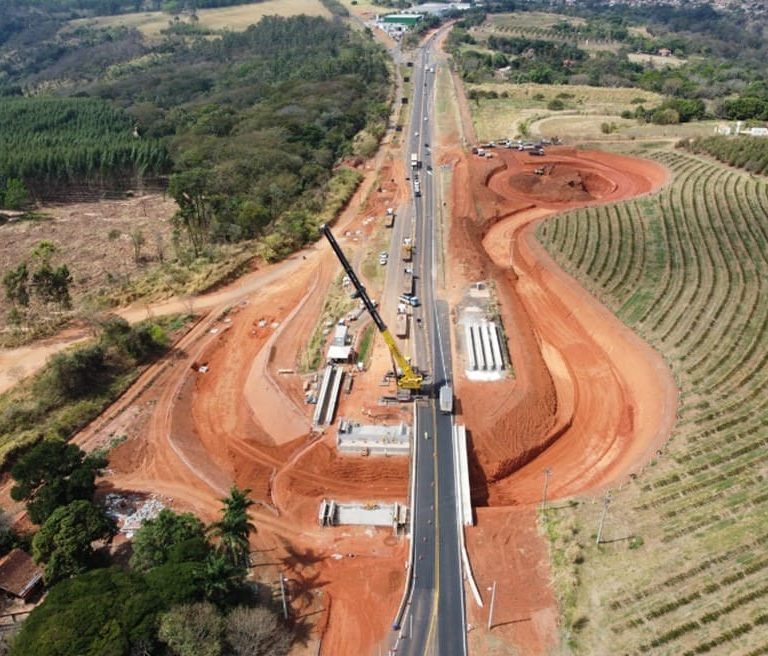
19,574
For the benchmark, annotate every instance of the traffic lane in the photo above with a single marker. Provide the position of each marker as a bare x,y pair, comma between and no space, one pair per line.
424,528
417,629
450,628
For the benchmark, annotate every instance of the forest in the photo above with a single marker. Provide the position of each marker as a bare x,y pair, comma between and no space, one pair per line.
50,143
725,51
247,127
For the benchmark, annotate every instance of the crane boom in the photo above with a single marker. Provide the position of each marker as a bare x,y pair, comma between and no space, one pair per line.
407,378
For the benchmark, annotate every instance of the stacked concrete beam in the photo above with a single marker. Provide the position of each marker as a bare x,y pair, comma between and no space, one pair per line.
496,344
322,396
490,362
333,396
474,329
484,347
470,349
328,396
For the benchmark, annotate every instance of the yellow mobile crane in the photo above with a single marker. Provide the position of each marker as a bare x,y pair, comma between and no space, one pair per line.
407,377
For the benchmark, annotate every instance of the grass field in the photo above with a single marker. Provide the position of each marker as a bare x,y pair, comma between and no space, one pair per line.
528,102
236,18
532,19
683,563
657,61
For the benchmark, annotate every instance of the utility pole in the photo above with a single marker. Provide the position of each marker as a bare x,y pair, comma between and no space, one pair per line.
606,501
493,602
282,592
547,474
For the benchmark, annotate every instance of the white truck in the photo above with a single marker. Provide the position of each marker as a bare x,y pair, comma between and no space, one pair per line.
446,399
415,163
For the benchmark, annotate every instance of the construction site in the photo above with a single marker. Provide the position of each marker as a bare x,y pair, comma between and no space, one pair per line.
543,373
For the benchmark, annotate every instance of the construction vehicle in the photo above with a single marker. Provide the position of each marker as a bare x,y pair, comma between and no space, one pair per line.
408,378
446,399
415,163
389,220
401,325
407,286
407,249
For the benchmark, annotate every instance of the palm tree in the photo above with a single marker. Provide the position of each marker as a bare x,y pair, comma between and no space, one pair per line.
219,578
234,527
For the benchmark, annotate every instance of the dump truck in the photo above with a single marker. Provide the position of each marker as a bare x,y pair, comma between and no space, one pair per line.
389,219
407,249
446,399
407,286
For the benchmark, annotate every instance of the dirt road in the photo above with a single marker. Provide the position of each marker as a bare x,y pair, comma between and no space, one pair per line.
590,402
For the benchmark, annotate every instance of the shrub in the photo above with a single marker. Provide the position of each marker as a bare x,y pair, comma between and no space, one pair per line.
556,105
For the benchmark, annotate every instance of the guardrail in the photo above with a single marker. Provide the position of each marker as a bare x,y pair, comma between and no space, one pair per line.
409,568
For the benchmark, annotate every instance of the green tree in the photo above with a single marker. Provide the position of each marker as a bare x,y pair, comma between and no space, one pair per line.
43,251
76,373
234,528
16,196
665,117
256,632
192,630
52,285
160,538
103,612
64,541
16,286
219,579
141,342
195,214
53,474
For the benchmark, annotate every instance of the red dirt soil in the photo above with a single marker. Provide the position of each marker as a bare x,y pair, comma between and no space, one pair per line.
589,400
191,435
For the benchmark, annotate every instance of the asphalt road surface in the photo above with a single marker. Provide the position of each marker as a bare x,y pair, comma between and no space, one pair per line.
433,623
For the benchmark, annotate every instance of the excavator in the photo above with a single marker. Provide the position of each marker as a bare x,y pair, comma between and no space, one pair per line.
408,378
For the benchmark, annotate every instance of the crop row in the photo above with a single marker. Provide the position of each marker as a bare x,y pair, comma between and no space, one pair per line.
710,617
704,566
688,268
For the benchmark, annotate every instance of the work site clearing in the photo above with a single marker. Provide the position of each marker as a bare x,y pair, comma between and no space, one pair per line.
193,429
584,398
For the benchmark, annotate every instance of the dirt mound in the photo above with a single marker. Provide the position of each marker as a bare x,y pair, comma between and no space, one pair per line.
561,184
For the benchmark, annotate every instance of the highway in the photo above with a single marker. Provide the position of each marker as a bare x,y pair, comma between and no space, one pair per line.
434,620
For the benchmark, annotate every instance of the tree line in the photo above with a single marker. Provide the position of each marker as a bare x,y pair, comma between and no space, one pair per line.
749,153
110,7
